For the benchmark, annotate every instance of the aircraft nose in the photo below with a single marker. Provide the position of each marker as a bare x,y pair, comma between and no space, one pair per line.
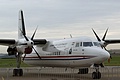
105,55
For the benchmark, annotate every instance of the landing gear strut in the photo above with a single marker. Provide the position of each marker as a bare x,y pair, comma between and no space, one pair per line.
97,74
18,71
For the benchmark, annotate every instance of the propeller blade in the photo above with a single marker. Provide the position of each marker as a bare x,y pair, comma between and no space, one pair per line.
24,35
105,34
104,48
23,24
96,35
26,38
24,57
36,53
34,34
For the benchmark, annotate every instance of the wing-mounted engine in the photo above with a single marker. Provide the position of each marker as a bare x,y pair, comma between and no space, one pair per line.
12,50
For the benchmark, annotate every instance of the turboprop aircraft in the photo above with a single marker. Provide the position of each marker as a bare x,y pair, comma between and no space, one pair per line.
72,52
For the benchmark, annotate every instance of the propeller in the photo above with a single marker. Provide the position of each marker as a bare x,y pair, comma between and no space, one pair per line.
34,33
36,53
105,34
102,42
24,35
32,46
96,35
22,29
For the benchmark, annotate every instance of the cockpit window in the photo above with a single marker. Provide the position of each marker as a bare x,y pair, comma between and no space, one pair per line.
87,44
96,44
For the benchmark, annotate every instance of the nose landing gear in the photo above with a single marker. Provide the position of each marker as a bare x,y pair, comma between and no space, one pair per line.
97,74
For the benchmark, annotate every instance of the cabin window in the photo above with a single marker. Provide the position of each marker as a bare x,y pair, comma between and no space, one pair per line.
96,44
87,44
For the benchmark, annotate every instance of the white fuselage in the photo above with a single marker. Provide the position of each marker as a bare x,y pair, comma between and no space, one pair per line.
73,52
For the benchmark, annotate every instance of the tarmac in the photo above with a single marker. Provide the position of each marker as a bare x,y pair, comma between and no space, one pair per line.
36,73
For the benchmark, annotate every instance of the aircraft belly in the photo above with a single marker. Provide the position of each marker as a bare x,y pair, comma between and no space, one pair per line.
48,63
59,63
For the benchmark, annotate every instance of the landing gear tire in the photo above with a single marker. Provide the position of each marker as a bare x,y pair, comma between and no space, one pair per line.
96,75
83,71
20,72
17,72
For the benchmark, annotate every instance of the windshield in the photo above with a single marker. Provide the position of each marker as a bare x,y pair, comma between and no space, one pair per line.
96,44
87,44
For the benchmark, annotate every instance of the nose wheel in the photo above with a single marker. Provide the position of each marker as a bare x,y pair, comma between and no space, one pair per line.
97,74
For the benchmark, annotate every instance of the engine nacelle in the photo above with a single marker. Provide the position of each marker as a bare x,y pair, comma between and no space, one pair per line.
12,51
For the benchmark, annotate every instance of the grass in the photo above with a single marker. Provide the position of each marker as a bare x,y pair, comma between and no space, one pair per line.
115,61
10,63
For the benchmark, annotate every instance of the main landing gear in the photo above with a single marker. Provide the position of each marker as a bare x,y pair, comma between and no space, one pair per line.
83,71
95,75
18,71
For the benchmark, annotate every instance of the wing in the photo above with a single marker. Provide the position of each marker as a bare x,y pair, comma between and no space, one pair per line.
7,42
39,41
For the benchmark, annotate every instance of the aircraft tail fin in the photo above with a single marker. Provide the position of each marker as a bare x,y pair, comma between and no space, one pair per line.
21,25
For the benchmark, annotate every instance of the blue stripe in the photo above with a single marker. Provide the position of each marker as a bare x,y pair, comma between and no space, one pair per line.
59,59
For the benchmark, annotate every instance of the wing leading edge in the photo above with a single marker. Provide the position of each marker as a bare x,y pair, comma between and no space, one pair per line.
39,41
7,42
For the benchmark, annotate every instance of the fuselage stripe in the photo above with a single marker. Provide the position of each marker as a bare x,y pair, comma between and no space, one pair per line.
60,57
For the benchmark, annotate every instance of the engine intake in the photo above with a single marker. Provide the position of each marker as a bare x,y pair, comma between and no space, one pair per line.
28,50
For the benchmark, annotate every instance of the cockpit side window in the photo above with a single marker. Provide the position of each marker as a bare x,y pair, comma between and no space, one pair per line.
87,44
96,44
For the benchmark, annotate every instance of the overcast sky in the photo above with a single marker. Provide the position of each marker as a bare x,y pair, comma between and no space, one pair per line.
60,18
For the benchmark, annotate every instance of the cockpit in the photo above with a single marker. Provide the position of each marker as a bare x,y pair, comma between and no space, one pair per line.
87,44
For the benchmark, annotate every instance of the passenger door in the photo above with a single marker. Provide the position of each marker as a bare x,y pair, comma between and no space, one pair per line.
78,49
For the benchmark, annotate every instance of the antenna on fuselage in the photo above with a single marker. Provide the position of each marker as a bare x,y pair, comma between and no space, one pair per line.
70,35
